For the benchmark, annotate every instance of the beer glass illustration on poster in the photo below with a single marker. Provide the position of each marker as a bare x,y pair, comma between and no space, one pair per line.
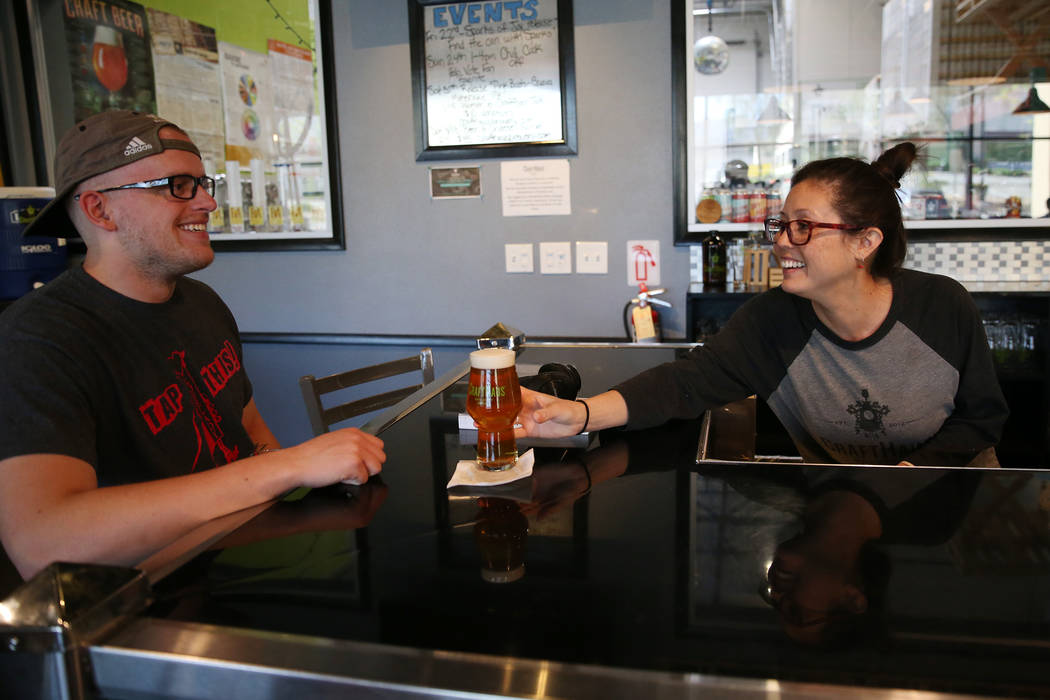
248,103
109,57
186,71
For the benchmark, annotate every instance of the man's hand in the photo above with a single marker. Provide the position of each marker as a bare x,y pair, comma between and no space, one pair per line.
347,455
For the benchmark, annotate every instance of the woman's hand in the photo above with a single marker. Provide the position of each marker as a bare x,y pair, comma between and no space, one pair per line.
543,415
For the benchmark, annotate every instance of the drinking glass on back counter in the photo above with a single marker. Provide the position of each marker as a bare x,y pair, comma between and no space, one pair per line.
494,400
1017,341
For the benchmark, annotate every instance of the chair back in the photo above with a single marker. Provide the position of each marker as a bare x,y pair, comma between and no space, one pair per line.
313,388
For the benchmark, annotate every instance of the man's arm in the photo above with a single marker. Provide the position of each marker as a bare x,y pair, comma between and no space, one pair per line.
260,433
52,509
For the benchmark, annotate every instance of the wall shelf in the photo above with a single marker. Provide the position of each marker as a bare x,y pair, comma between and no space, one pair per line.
918,230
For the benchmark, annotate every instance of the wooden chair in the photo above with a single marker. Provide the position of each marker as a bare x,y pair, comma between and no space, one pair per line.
314,388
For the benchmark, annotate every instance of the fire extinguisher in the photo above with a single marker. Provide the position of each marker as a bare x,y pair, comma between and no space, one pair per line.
641,320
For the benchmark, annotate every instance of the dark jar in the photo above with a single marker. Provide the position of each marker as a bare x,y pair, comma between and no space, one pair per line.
714,261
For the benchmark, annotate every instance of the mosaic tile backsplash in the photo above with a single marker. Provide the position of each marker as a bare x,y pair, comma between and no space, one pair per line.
985,261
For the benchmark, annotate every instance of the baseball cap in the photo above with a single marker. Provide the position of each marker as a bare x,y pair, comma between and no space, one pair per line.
96,145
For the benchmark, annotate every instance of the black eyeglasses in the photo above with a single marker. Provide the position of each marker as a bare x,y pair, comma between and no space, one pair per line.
799,231
795,614
180,186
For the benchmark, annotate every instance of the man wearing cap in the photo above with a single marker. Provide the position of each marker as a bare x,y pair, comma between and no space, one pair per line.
126,417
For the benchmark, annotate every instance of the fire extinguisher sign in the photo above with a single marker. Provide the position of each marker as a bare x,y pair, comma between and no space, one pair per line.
643,263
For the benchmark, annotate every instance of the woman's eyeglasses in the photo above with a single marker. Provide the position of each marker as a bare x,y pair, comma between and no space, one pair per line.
799,231
180,186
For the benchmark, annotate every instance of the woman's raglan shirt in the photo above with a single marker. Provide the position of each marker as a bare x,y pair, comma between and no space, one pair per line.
922,388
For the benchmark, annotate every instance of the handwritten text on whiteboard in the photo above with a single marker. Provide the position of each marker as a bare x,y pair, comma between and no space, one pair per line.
492,73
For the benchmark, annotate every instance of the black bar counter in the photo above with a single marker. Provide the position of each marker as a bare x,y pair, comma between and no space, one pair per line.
620,568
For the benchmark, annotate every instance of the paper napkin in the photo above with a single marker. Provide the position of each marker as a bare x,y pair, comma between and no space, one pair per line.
468,473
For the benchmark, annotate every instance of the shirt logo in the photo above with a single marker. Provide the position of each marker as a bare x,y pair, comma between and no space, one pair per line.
185,393
869,415
136,145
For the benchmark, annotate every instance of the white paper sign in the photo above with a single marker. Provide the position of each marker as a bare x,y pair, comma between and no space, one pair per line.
643,263
296,119
535,187
248,103
186,72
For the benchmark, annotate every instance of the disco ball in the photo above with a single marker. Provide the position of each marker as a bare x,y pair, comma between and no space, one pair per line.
711,55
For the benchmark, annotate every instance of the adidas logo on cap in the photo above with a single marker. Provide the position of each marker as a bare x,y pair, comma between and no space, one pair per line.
136,145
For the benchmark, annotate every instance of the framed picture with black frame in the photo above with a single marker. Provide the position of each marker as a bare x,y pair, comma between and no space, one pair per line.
258,99
492,79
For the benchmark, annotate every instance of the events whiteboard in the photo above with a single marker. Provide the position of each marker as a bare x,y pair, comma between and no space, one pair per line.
493,78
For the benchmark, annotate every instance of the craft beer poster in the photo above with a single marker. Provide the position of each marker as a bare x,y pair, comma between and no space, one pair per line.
109,57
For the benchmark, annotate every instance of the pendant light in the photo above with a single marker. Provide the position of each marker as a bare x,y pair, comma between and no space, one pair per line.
1032,104
773,113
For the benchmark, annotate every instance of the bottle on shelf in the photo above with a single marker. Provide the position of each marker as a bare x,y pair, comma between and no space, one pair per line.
714,263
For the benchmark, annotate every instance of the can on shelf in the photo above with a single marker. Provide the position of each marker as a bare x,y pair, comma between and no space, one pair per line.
725,200
741,207
773,203
757,206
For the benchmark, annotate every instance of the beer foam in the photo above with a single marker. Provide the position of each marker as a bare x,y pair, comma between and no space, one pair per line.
492,358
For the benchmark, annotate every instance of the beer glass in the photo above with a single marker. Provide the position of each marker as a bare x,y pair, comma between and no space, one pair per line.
493,401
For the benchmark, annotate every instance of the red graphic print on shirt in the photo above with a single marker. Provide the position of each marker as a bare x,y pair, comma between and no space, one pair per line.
217,372
160,411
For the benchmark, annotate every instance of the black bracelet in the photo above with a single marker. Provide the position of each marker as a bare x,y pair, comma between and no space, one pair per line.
587,418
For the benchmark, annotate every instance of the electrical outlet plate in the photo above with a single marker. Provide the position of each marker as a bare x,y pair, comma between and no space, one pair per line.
592,257
555,258
518,257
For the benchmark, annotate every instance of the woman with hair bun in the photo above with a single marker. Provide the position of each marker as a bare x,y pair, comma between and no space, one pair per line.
862,361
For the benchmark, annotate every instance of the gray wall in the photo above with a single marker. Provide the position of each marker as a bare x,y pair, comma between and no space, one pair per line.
437,268
413,266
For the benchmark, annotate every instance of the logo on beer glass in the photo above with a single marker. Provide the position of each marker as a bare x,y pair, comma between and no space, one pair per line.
493,401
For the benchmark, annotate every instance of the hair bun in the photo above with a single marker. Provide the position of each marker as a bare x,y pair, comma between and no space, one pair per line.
896,161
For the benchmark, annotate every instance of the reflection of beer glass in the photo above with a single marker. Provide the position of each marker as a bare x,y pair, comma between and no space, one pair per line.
108,58
493,400
501,531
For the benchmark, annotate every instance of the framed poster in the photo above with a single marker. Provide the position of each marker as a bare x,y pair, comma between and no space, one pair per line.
492,79
258,99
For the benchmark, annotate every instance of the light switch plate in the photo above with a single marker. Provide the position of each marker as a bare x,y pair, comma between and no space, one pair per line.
592,257
519,257
555,258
